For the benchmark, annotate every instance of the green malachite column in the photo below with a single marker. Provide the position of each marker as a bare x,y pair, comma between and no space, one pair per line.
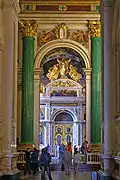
96,100
27,125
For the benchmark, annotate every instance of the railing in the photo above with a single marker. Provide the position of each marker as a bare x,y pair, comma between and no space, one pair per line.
21,158
90,158
93,158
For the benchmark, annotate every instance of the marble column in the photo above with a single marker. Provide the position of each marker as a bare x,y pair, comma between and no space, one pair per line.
108,87
36,106
29,29
8,162
96,90
88,104
1,54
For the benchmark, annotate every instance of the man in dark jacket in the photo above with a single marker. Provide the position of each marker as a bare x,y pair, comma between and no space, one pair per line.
28,161
34,161
45,160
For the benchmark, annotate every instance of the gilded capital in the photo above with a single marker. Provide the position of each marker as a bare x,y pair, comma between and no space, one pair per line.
94,28
28,27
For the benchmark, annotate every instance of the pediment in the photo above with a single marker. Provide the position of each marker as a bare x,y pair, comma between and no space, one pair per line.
64,83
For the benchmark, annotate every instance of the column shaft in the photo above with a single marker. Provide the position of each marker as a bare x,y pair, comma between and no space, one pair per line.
88,107
27,135
108,86
36,108
96,91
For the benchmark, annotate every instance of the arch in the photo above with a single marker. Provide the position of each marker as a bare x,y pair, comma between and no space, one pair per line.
62,43
71,113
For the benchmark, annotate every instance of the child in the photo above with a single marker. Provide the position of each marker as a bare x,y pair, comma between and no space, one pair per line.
76,160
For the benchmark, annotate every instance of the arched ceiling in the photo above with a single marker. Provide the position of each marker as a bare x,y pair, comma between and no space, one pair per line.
50,59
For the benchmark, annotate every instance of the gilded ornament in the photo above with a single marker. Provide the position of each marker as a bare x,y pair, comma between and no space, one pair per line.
45,37
74,74
42,88
28,28
80,36
61,31
62,8
62,69
95,28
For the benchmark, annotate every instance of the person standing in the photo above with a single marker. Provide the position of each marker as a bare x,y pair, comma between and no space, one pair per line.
76,160
34,161
28,161
69,147
45,160
61,152
67,157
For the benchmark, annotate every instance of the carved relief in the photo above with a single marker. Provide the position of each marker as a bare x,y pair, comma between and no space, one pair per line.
95,28
61,31
80,36
28,28
45,37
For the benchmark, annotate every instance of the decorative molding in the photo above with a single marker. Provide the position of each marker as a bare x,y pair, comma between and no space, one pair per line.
66,2
87,71
94,28
42,51
28,27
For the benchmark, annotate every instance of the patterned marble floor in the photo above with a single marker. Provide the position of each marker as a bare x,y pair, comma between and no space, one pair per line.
60,175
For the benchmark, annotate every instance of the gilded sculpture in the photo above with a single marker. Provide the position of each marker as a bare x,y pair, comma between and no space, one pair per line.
62,69
80,36
28,27
95,28
61,31
45,37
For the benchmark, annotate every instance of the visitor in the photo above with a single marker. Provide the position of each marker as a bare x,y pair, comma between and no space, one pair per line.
84,148
28,161
48,148
61,152
75,148
45,160
69,147
76,160
34,161
57,150
67,157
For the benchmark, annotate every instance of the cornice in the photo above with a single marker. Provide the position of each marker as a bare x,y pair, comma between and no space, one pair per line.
66,2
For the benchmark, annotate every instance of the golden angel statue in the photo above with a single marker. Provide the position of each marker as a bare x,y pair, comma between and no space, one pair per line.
53,72
62,69
74,74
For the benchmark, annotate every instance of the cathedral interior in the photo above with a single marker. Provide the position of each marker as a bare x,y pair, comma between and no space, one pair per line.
60,82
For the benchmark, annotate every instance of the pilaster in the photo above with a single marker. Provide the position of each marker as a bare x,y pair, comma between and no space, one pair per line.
36,105
88,104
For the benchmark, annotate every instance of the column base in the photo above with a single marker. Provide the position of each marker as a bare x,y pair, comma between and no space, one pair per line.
96,147
11,176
